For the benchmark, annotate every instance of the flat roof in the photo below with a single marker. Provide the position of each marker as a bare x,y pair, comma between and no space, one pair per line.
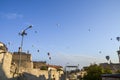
72,66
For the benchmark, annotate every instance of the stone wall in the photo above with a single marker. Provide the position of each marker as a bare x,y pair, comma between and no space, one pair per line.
5,64
1,57
25,61
24,56
9,66
38,73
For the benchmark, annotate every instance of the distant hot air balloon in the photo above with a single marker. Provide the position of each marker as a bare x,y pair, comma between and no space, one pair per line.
32,45
48,53
118,38
58,25
35,31
50,58
89,30
107,57
9,43
38,50
100,52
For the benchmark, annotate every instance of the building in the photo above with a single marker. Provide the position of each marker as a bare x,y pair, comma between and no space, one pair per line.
25,60
114,67
5,62
12,66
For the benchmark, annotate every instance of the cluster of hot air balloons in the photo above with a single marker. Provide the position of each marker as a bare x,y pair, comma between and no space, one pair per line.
108,57
49,56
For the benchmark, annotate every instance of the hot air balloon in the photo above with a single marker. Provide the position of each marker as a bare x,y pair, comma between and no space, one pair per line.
32,45
89,30
50,58
100,52
38,50
107,57
35,31
58,25
48,53
9,43
118,38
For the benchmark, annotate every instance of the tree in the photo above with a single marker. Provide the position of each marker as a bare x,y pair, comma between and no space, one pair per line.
106,70
118,71
44,68
93,73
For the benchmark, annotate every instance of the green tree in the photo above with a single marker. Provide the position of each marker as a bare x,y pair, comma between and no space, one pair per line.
44,68
118,71
93,73
106,70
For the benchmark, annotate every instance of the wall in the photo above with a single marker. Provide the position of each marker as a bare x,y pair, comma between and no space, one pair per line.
9,64
26,60
24,56
38,72
5,64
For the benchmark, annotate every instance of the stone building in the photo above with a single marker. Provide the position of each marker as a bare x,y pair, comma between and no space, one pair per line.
114,67
5,62
12,67
25,60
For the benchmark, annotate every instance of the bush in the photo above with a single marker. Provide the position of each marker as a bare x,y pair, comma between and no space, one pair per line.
43,68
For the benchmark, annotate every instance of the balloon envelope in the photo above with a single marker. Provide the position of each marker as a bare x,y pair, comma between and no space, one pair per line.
118,38
107,57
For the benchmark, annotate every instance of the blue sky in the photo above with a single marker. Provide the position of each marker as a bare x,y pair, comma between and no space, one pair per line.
73,31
